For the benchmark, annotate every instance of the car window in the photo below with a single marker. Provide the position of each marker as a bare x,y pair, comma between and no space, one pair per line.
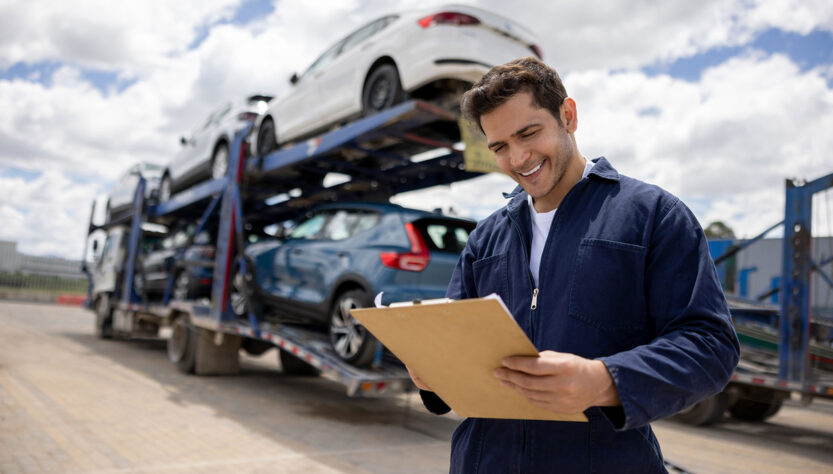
364,33
347,223
309,228
325,58
448,236
221,114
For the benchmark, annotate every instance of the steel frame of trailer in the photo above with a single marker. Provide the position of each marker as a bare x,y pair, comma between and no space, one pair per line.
400,175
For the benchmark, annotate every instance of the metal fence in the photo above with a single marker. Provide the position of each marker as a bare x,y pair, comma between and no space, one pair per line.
38,278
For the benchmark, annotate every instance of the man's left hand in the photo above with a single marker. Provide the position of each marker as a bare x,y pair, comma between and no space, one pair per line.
560,382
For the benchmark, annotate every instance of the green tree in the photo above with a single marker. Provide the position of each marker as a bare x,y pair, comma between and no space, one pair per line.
719,230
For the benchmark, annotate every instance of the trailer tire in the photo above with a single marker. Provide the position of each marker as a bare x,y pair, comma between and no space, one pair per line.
182,345
350,340
754,410
220,161
103,317
292,365
705,412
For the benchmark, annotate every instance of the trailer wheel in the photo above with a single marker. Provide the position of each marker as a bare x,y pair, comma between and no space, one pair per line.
351,341
103,317
705,412
382,89
754,410
182,345
291,365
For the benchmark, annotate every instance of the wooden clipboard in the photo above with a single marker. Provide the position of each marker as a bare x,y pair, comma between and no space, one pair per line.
455,347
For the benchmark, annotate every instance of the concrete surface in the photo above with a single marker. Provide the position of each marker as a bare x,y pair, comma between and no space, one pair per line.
70,402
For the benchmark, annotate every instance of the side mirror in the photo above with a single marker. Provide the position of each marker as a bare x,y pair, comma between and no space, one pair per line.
293,79
95,246
183,141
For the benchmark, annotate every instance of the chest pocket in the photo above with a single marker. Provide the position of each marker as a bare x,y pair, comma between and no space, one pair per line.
607,288
491,276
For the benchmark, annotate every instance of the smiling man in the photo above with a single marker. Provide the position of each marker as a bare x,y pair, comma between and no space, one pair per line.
608,276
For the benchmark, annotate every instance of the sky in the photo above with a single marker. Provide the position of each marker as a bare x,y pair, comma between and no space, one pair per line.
716,101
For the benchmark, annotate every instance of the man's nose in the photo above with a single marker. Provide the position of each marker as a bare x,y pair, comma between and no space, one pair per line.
520,156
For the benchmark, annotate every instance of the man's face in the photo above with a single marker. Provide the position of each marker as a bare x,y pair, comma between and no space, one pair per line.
531,147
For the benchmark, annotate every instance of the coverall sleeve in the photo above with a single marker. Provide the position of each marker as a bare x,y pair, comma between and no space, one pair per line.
695,349
460,287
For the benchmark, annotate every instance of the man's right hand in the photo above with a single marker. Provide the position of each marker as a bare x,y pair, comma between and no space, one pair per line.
417,381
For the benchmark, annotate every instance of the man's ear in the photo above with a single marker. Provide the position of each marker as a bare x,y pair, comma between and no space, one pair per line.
569,116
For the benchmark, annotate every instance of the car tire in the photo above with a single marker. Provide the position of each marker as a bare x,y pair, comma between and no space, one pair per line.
103,317
382,90
182,286
220,161
241,297
182,345
165,188
350,340
267,139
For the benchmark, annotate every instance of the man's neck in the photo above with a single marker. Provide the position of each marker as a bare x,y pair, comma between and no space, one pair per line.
572,175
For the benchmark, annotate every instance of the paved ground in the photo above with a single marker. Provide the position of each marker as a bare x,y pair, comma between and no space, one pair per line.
70,402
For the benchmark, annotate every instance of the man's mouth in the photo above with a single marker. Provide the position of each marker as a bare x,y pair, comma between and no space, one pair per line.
532,171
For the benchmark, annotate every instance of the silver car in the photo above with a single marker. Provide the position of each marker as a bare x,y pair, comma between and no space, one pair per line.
205,154
121,196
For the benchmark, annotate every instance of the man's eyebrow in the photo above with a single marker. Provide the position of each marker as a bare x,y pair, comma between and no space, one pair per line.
519,132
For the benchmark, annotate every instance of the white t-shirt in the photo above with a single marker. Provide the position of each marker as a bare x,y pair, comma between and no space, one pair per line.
541,223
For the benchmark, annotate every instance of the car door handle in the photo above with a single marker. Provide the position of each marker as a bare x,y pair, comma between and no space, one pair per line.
297,251
342,254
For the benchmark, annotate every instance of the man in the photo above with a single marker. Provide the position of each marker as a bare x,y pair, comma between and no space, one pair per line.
608,276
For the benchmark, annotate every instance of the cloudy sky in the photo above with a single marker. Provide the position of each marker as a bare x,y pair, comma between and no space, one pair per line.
716,101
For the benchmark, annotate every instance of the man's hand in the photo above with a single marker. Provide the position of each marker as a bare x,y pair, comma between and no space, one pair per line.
559,382
417,381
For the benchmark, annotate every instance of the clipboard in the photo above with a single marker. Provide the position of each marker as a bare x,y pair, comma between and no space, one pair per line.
455,346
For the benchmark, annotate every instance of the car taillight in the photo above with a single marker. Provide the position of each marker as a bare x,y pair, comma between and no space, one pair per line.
537,50
447,18
247,116
414,261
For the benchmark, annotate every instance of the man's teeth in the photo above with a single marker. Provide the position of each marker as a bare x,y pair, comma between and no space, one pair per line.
532,170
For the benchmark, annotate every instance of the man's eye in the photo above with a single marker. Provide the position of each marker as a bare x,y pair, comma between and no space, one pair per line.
529,134
497,149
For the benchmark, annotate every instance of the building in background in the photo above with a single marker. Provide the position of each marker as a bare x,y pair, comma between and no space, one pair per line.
12,261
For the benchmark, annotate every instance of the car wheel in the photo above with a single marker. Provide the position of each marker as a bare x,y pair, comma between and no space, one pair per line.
267,140
382,89
219,162
181,286
165,188
351,341
241,291
182,345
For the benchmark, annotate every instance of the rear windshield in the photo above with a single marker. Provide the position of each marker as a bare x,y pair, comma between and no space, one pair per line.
443,235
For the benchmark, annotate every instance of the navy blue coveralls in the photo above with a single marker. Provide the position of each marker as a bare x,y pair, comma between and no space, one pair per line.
625,278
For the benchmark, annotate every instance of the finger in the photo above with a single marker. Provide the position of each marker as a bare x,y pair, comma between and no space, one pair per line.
521,379
533,365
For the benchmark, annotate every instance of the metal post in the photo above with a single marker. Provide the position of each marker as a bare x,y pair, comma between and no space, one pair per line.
128,294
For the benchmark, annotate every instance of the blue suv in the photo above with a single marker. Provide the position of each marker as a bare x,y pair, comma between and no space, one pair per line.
339,256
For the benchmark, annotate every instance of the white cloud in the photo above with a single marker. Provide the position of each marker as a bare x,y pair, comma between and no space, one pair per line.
47,215
731,137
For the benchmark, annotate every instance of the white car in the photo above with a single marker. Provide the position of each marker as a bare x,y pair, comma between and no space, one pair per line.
431,54
205,154
121,196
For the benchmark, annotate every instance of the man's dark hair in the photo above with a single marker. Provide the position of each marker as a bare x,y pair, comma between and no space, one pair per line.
502,82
